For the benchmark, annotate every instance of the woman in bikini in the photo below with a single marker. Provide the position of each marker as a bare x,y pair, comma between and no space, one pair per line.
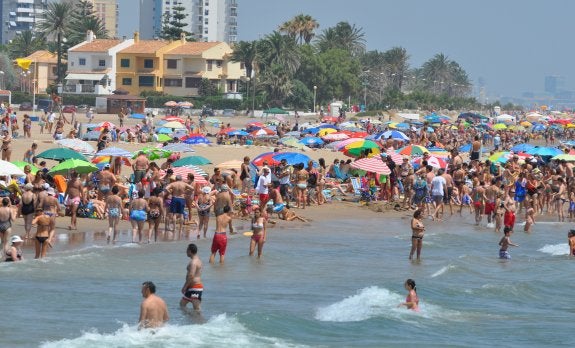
302,176
156,212
27,208
204,203
6,218
560,198
44,233
30,153
138,215
113,208
411,301
417,232
259,233
6,146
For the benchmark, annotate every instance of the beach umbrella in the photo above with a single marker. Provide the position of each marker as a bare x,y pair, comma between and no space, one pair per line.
538,127
336,136
438,151
266,156
434,161
526,124
263,132
184,171
77,145
61,154
191,160
325,131
137,116
106,124
293,134
504,156
544,151
173,119
173,124
153,153
115,152
293,142
185,104
499,126
311,141
163,138
171,104
372,165
238,133
356,148
292,157
225,131
395,157
80,166
412,150
402,126
22,164
570,125
163,130
565,157
347,124
196,139
341,144
10,169
351,134
179,147
394,135
327,125
522,147
101,161
255,125
233,164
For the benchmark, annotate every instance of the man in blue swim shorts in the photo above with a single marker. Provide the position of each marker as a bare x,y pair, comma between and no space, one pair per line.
178,190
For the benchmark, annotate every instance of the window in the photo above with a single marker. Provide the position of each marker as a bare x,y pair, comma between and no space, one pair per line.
206,12
127,81
148,63
206,21
146,81
193,82
124,63
218,63
101,62
173,82
209,65
172,63
82,61
54,70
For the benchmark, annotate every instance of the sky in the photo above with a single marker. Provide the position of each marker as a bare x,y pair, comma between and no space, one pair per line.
511,44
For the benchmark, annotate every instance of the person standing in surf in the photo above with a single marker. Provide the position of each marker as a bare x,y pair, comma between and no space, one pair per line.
193,287
505,242
417,231
411,301
220,240
153,310
571,239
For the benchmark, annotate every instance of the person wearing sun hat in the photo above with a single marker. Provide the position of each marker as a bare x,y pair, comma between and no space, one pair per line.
14,252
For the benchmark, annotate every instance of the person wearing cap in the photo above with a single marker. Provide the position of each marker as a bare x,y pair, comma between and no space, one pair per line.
6,217
203,204
27,208
263,185
178,190
14,252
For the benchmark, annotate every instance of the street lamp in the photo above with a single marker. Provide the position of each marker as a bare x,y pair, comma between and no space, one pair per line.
364,74
314,96
2,85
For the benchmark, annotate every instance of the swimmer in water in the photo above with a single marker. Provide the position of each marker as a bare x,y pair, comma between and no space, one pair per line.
411,301
153,310
505,242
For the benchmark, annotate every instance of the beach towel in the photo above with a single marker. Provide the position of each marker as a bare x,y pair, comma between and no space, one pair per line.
338,174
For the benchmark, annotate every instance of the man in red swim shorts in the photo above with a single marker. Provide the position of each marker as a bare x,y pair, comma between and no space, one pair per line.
220,241
509,217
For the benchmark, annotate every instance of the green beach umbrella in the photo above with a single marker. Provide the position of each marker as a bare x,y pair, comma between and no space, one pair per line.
80,166
191,160
61,154
163,137
22,164
153,153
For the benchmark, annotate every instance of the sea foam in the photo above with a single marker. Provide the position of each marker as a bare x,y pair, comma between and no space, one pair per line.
220,331
555,249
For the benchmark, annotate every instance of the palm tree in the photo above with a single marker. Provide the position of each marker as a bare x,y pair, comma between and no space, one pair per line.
56,22
435,71
343,36
301,27
308,26
245,52
396,65
24,44
279,49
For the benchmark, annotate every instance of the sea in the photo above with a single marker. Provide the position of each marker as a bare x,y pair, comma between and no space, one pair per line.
334,283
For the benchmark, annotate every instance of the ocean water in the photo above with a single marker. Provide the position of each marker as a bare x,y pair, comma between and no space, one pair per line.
328,284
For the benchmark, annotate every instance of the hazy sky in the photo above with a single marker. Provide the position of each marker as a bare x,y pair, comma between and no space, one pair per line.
511,44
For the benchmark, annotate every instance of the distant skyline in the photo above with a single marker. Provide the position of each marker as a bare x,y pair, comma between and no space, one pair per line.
512,45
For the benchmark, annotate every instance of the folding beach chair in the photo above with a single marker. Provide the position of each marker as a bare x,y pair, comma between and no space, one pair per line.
356,184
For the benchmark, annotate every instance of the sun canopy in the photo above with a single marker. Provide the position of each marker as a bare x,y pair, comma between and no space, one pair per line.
90,77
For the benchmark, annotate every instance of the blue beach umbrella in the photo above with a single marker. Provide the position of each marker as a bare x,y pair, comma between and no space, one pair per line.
522,148
115,152
393,134
544,151
402,125
164,130
311,141
538,127
137,116
292,157
240,133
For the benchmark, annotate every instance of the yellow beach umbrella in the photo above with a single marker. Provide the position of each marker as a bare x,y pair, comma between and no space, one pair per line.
570,125
325,131
526,124
392,125
499,126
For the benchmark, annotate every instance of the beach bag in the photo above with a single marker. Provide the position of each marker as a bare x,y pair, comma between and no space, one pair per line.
312,179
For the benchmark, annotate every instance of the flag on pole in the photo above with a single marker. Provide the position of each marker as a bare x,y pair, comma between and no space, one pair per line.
23,63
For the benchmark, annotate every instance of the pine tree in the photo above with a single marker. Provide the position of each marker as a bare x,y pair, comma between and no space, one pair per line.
173,25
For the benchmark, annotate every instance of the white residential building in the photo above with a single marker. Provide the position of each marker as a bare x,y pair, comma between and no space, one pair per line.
19,15
207,20
92,65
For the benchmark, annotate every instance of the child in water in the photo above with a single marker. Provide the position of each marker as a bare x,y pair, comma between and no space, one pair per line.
571,239
499,217
505,242
411,301
529,219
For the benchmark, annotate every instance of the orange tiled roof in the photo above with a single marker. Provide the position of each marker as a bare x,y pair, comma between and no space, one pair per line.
43,56
98,45
193,48
145,46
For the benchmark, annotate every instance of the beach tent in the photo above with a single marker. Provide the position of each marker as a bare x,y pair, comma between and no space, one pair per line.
505,118
472,117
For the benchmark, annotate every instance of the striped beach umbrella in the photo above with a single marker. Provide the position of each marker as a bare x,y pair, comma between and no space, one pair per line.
412,150
372,165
